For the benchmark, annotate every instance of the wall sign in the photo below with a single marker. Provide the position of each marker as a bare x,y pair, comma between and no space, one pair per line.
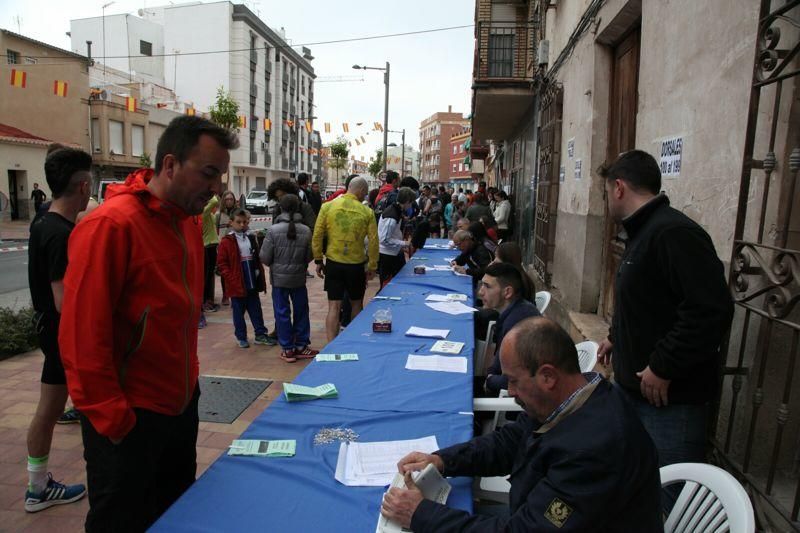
671,156
562,173
578,165
571,148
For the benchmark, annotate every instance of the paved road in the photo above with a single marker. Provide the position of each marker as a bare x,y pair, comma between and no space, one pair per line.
13,271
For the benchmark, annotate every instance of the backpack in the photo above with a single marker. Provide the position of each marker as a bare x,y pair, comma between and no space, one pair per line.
385,201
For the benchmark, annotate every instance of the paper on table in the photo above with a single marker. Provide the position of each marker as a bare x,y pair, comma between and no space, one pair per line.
447,347
299,393
440,268
415,331
395,298
457,273
263,448
433,487
374,464
437,363
332,357
452,297
451,308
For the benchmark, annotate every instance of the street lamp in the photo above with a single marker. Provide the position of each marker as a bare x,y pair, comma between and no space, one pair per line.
402,152
104,37
385,105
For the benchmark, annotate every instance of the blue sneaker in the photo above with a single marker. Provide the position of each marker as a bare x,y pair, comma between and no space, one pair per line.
54,494
242,344
266,340
202,323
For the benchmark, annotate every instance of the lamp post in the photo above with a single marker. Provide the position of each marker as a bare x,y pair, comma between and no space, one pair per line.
104,36
385,105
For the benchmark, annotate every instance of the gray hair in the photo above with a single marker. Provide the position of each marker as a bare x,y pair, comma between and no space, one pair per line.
462,234
358,184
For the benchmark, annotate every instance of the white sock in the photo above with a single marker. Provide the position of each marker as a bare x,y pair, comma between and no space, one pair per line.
37,474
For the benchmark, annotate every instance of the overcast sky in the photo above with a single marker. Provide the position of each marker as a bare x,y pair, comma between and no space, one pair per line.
428,71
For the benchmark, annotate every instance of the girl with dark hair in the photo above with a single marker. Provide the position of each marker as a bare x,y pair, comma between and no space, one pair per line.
287,252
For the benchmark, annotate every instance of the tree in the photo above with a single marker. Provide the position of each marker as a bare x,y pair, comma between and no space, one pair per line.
339,153
225,112
376,167
145,161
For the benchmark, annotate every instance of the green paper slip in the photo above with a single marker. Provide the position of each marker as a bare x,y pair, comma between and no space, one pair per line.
301,393
263,448
333,357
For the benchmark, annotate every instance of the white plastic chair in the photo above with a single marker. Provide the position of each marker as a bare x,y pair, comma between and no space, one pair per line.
711,500
481,349
587,355
542,300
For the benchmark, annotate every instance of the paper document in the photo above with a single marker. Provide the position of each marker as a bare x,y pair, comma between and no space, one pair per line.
437,363
451,308
457,273
300,393
452,297
333,357
451,347
433,486
396,298
263,448
437,246
374,464
440,268
414,331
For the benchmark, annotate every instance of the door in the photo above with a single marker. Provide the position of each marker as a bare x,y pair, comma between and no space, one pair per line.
621,137
13,189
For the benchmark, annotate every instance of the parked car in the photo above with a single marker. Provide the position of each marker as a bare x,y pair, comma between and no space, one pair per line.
257,202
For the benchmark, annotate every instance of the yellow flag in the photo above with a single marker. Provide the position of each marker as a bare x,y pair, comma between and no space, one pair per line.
242,121
190,111
309,126
267,124
130,103
60,88
345,127
327,127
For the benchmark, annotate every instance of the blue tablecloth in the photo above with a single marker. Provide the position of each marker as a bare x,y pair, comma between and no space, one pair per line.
378,398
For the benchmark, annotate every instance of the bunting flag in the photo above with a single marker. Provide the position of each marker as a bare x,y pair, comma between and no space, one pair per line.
130,103
362,140
267,124
19,78
60,88
378,126
242,121
358,143
190,111
359,123
309,126
327,127
345,126
161,105
290,123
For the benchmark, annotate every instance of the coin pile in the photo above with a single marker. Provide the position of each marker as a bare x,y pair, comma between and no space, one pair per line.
329,435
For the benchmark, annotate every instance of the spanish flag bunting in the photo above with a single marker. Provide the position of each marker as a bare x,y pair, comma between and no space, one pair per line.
161,105
358,143
309,126
242,121
130,103
362,139
359,123
290,123
345,127
378,126
190,111
327,127
267,124
19,78
60,88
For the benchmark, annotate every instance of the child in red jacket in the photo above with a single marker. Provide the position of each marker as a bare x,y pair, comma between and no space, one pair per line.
240,267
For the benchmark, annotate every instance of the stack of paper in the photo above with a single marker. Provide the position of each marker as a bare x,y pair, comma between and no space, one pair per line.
451,308
452,297
447,347
263,448
332,357
414,331
374,464
437,363
300,393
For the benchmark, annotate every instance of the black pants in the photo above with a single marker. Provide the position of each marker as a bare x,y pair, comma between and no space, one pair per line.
389,266
209,264
132,483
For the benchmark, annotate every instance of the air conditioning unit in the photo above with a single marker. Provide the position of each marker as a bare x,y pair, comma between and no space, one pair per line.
543,52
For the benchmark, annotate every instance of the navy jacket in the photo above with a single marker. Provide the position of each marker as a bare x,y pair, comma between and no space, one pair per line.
520,309
672,305
595,470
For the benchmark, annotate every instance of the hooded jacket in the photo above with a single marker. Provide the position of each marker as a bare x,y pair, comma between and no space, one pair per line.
229,263
132,297
287,259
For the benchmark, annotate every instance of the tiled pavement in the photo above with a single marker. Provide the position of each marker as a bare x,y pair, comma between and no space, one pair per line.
19,393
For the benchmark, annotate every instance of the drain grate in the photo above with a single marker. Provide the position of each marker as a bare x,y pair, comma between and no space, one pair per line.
223,399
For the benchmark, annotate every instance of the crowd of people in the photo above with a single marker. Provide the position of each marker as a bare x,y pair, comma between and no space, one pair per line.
120,296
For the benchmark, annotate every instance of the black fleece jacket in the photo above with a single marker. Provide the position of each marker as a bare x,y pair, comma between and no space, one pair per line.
673,307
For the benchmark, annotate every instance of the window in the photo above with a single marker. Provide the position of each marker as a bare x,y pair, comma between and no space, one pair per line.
302,84
96,146
12,57
454,167
116,139
455,149
461,167
137,140
30,60
501,53
145,48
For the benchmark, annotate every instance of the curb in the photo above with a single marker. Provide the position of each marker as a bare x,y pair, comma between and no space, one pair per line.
13,249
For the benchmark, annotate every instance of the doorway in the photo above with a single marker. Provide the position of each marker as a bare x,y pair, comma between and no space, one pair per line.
13,191
621,137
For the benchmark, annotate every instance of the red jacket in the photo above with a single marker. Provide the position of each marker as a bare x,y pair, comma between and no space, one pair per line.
229,263
385,189
132,297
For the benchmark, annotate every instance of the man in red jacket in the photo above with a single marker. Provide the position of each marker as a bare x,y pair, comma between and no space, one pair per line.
133,292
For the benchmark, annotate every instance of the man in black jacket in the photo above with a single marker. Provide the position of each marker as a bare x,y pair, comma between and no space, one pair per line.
672,310
578,457
474,257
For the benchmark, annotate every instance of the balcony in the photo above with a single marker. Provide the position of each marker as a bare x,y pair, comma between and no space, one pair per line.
284,162
253,90
503,73
267,160
253,158
293,82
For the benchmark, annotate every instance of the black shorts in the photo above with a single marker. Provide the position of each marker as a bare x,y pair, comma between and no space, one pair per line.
341,277
52,370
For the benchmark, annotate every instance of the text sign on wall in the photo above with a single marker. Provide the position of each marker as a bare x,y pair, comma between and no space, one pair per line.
578,167
571,148
671,155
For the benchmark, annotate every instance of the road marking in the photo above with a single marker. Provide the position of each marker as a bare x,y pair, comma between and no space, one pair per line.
13,249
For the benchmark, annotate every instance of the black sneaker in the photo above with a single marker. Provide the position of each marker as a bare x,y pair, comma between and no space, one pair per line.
70,416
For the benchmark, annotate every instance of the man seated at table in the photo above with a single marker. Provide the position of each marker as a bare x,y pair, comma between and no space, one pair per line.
578,456
502,289
474,257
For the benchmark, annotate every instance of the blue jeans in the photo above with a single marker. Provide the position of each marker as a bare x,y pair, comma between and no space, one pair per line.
291,323
252,304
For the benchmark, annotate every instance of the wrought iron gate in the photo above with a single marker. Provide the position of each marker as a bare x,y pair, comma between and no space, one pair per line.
756,434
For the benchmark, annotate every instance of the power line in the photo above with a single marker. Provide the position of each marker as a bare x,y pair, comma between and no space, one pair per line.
317,43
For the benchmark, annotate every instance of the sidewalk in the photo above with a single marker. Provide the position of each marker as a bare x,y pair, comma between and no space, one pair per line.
19,393
15,230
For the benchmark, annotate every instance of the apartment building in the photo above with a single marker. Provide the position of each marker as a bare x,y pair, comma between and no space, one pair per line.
434,145
404,162
460,162
560,88
271,82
